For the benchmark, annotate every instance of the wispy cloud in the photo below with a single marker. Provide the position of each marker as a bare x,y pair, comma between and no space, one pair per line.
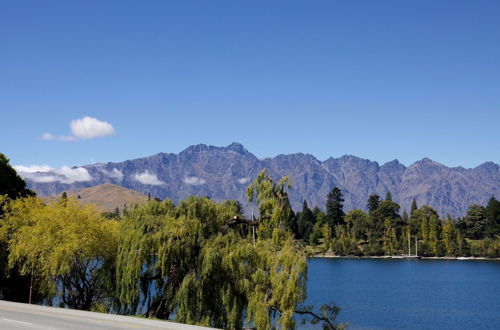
243,180
195,181
45,174
84,128
114,173
148,178
48,136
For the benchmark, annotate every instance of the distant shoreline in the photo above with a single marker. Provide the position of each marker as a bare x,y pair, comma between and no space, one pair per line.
402,257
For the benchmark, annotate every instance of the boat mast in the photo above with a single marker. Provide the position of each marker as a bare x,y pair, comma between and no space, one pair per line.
409,243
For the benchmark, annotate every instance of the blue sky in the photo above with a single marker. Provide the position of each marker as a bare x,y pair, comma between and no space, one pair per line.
376,79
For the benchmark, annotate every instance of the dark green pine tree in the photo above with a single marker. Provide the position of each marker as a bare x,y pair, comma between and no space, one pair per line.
335,207
306,221
388,196
405,218
493,217
11,184
373,202
116,214
414,206
64,199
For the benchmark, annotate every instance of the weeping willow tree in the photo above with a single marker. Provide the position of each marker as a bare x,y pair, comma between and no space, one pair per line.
199,261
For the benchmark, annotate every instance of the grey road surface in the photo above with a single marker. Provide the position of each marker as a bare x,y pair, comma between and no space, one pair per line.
18,316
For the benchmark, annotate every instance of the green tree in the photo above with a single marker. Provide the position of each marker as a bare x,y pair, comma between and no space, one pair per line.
414,206
388,196
474,223
306,221
272,200
493,217
207,270
345,244
64,199
434,233
359,222
419,221
65,248
386,210
373,202
317,233
11,184
405,217
335,207
389,239
13,286
449,237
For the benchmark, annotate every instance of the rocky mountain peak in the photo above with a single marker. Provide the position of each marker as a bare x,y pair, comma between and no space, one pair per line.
224,172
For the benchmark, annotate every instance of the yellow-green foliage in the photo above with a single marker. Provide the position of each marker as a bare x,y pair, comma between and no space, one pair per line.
208,273
50,242
49,239
273,202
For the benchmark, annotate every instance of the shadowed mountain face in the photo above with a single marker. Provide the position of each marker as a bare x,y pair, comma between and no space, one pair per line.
224,173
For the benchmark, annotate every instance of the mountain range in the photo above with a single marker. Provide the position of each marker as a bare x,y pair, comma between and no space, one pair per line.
224,173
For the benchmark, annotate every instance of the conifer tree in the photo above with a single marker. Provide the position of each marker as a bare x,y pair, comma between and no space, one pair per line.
405,218
306,222
413,206
373,202
335,207
11,184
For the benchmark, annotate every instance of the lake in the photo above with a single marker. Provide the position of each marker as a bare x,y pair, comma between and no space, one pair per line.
408,294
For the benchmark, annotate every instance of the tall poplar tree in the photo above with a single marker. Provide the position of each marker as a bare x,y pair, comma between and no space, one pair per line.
414,207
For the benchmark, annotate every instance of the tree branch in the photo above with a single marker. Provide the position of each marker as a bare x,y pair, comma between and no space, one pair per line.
316,316
236,220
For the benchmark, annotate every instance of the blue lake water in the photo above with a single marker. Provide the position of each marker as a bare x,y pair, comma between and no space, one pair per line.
408,294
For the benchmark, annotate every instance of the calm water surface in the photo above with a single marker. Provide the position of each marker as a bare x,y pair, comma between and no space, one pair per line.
408,294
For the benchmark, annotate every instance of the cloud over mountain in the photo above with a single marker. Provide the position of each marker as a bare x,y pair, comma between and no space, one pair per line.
47,174
148,178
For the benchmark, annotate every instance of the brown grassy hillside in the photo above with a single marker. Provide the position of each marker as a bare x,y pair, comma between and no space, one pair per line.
106,197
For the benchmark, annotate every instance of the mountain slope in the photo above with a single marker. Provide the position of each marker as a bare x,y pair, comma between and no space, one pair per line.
106,197
224,172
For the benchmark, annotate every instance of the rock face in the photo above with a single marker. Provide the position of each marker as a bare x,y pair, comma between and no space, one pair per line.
224,172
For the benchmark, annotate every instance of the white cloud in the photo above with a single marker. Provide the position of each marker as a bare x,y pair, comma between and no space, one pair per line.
243,180
192,180
148,178
45,174
48,136
114,173
84,128
89,128
32,168
77,174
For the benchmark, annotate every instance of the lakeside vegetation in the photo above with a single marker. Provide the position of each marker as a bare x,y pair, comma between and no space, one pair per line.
384,231
198,262
203,262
